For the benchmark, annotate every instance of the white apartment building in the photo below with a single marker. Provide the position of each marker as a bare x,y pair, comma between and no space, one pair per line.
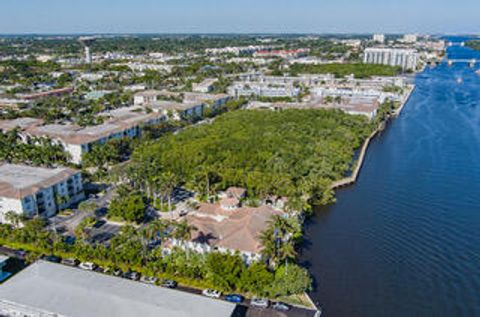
407,59
263,90
77,140
205,86
29,191
409,38
379,38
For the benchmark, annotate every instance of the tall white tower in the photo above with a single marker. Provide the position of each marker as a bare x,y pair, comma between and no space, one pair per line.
87,42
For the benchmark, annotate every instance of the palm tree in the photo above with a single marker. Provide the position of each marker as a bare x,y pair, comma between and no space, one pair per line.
14,218
277,239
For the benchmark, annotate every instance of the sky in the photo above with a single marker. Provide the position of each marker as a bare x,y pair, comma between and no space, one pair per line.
239,16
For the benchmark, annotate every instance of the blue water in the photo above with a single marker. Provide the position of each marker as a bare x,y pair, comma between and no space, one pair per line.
405,239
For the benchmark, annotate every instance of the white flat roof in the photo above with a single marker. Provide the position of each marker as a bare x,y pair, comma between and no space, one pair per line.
72,292
24,176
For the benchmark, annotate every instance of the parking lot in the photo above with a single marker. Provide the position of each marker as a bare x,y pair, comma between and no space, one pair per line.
103,233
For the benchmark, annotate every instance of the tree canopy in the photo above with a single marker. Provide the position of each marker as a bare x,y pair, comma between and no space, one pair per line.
293,153
359,70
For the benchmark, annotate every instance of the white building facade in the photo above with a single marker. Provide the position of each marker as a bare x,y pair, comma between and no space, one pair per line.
407,59
30,191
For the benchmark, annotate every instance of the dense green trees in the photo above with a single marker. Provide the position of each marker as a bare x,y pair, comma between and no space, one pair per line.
38,151
130,207
475,44
131,250
293,153
279,239
341,70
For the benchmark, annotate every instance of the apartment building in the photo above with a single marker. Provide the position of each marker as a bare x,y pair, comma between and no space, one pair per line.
379,38
263,90
31,191
205,86
76,140
407,59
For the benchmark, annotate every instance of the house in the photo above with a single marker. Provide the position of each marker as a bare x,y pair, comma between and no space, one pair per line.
236,192
31,191
227,226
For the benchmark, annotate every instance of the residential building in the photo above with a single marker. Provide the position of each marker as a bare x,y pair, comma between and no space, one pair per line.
205,86
282,53
191,102
355,106
46,289
48,93
409,38
237,50
227,226
77,140
29,191
407,59
379,38
263,90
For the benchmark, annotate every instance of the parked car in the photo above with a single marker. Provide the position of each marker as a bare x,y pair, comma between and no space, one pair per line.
52,258
211,293
169,284
234,298
281,306
89,266
148,279
20,253
259,302
99,269
132,276
99,224
70,262
117,272
70,240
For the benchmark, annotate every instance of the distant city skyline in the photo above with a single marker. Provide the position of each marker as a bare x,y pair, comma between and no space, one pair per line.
247,16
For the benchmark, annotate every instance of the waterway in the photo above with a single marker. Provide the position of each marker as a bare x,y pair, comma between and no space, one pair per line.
405,239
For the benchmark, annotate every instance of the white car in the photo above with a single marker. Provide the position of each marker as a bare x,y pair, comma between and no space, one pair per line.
259,302
89,266
211,293
148,280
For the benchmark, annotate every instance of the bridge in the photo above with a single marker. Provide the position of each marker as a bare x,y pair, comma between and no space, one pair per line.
456,44
470,62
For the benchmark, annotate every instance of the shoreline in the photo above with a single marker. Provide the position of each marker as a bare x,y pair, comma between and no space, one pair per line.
350,180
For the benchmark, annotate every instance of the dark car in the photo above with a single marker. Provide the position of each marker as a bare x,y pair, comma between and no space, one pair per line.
99,224
70,240
132,276
52,258
70,262
20,253
234,298
169,283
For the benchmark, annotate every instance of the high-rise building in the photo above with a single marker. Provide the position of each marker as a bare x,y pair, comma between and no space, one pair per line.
380,38
409,38
405,58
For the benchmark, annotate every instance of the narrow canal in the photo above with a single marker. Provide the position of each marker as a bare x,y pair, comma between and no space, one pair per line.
405,239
